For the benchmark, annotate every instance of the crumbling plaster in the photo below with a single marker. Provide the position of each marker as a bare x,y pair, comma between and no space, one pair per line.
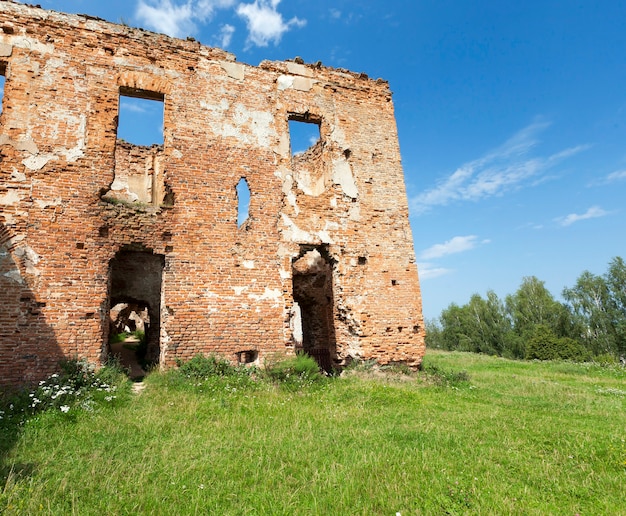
224,288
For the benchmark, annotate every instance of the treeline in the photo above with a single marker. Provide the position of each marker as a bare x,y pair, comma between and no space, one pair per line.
532,324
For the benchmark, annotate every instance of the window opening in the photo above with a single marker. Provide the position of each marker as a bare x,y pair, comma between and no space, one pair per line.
140,117
304,133
243,201
135,309
140,174
3,73
314,305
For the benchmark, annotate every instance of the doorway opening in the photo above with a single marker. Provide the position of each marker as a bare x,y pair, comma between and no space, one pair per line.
135,309
314,328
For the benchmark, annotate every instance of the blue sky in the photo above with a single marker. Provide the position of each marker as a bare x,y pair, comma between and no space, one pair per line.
511,118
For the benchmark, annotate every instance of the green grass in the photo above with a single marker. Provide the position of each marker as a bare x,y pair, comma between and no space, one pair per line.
508,437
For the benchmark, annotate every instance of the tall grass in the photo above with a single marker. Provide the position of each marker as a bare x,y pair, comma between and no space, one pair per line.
470,435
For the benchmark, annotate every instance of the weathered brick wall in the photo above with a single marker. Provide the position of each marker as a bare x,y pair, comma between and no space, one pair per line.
224,289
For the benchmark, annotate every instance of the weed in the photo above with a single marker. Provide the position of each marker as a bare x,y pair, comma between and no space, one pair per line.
294,371
76,386
446,378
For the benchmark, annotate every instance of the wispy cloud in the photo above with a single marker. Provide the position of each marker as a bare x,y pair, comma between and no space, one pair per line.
265,24
226,35
613,177
180,18
430,271
508,167
135,107
592,213
335,14
458,244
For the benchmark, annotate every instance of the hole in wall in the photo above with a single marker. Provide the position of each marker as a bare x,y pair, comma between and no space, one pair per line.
3,72
140,176
314,327
362,260
247,356
304,133
243,201
140,117
135,309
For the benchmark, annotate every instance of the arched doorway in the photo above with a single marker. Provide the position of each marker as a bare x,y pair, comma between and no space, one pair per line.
135,305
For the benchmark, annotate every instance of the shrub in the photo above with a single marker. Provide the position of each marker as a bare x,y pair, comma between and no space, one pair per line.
117,337
543,344
296,370
201,366
444,377
606,359
76,387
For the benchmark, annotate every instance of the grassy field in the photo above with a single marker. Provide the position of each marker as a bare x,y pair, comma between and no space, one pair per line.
517,438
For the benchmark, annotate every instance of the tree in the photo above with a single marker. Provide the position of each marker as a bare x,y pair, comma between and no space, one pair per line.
616,283
543,344
490,323
533,304
590,300
481,326
599,303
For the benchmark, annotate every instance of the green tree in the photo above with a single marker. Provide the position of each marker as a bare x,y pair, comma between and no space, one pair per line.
543,344
590,301
616,283
490,323
533,304
481,326
599,303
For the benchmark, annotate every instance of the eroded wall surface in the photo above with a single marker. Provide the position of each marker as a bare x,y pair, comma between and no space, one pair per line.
73,198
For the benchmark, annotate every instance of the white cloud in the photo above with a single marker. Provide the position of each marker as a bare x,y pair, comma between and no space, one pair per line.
178,19
592,213
226,35
265,24
458,244
132,106
620,175
505,168
335,14
429,271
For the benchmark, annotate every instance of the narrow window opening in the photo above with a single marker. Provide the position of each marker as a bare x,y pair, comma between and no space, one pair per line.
140,117
3,73
243,202
304,133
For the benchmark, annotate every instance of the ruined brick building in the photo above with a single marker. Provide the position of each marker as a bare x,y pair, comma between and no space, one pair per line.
324,261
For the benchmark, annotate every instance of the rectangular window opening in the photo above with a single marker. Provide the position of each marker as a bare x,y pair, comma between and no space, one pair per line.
140,117
3,74
304,133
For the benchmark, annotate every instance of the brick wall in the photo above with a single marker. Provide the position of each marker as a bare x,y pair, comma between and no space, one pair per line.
224,288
